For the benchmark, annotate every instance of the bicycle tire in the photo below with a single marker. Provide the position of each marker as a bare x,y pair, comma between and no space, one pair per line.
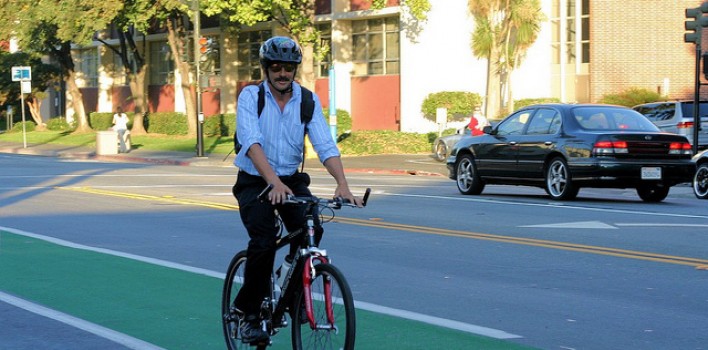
343,337
230,320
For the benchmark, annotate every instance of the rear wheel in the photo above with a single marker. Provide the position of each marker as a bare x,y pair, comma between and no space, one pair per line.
559,184
700,182
653,193
230,318
468,180
328,287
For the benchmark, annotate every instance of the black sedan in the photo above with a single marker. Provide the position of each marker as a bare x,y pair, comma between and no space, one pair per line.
564,147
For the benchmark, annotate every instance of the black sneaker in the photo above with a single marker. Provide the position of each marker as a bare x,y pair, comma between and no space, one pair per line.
251,331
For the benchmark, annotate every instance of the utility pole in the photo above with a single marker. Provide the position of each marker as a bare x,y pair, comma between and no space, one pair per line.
200,115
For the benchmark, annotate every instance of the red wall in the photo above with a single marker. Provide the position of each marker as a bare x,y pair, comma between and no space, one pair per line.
357,5
121,96
376,103
161,98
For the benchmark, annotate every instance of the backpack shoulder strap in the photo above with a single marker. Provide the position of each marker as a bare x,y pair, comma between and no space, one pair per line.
261,99
307,106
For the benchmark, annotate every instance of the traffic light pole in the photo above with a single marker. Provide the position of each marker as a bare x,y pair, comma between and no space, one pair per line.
197,75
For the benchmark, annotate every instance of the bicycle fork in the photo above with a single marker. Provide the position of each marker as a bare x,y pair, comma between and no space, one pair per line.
316,255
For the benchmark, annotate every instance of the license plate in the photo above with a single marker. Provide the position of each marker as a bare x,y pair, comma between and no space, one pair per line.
651,173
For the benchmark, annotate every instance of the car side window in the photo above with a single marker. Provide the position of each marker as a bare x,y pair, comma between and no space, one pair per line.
514,125
542,122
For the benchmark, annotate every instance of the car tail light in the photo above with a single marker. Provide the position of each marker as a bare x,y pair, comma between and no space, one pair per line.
680,148
610,147
684,125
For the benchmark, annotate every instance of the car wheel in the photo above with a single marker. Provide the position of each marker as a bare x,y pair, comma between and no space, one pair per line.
440,153
468,180
558,181
653,193
700,182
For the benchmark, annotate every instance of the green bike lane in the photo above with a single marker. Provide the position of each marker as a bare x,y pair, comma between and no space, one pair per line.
170,307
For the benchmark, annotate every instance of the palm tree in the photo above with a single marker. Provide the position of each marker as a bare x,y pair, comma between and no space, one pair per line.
504,30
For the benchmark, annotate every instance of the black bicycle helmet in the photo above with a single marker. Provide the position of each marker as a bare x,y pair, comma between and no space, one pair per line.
280,49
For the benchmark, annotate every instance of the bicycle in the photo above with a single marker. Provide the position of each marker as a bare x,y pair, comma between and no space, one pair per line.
320,302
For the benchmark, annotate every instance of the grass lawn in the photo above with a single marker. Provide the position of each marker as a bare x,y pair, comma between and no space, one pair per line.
156,142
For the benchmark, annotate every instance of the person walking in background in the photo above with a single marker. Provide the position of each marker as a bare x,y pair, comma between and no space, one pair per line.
120,125
477,122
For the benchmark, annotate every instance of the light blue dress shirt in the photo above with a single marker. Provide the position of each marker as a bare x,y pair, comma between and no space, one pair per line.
280,134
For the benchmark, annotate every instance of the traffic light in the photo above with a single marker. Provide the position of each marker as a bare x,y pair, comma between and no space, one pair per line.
695,23
204,47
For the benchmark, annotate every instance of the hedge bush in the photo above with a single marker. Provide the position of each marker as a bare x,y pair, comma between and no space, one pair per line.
169,123
459,104
518,104
632,97
59,124
29,126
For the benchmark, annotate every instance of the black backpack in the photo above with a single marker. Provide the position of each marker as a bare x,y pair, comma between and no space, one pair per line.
307,108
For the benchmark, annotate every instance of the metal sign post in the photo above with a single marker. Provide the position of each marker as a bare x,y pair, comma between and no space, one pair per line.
24,76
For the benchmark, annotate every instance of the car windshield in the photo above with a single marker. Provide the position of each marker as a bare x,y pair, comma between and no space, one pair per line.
612,119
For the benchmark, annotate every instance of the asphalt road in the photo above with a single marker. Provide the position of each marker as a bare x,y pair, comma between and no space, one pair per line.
604,272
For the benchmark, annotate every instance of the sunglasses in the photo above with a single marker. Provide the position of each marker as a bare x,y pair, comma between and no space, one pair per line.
277,67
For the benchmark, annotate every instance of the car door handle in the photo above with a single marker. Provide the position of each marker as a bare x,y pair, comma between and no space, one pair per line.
548,143
513,143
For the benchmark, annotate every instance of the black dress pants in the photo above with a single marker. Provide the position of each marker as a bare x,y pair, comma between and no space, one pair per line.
260,221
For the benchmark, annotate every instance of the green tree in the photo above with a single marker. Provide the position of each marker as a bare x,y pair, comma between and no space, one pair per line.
51,27
43,77
296,18
135,17
504,31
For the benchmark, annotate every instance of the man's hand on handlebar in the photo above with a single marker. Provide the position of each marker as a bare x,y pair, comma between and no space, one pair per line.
344,193
278,193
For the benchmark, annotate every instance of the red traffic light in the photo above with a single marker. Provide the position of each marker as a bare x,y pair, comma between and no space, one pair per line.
203,44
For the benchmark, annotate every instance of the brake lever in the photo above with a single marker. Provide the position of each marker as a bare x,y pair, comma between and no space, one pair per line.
264,194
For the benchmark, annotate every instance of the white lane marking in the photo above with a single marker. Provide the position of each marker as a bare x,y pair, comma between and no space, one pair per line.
465,327
559,205
437,321
660,224
579,224
103,332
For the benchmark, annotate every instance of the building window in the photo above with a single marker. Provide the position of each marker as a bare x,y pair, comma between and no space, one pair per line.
249,43
161,65
87,67
376,46
323,61
120,76
571,28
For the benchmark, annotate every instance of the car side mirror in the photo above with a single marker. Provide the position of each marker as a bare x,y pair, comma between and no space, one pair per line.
487,129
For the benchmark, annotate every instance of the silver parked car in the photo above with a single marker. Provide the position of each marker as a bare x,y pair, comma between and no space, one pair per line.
443,144
677,117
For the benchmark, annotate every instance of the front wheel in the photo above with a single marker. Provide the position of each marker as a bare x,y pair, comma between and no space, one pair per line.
230,319
440,149
700,182
559,184
335,328
468,180
653,193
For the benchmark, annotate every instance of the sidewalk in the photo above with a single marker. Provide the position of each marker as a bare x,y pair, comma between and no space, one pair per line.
412,164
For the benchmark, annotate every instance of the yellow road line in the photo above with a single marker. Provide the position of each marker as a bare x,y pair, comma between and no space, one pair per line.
700,264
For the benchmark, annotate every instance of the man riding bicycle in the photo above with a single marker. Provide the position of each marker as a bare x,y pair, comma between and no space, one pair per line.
272,146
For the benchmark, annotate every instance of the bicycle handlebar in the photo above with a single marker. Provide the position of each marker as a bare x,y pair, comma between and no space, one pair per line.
334,203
